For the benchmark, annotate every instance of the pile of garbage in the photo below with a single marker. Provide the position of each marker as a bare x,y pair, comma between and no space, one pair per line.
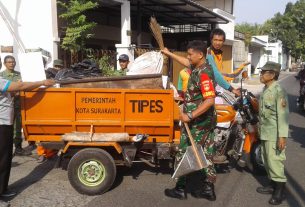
86,68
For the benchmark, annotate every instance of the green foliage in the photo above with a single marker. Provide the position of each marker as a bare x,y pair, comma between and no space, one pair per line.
249,30
78,28
104,63
106,68
288,27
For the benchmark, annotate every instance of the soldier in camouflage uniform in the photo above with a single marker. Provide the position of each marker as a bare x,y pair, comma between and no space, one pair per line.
199,112
10,74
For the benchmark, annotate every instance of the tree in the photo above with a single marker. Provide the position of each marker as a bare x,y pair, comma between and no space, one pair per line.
250,30
288,27
78,28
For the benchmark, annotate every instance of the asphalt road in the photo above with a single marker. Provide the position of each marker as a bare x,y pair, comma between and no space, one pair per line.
42,185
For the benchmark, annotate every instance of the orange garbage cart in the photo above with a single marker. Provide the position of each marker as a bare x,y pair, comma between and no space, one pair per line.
99,128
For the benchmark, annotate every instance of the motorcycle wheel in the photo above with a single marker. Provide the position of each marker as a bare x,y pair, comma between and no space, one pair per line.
238,138
255,162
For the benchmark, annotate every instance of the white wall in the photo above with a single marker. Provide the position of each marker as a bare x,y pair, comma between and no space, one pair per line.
229,27
261,56
229,30
285,64
276,49
258,59
34,22
264,38
225,5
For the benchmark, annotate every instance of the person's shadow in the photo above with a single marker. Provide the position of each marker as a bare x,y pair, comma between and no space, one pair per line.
137,169
34,176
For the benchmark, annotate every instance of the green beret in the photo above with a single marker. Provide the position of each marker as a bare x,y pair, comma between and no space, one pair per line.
272,66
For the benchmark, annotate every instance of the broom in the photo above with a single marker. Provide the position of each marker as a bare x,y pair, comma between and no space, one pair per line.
156,31
157,34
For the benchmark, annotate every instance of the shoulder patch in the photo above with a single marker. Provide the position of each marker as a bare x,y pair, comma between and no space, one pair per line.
207,88
281,94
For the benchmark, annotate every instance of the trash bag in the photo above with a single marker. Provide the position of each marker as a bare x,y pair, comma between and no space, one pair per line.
51,73
148,63
86,68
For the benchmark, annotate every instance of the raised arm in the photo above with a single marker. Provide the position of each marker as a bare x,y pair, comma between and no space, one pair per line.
21,86
218,76
182,60
180,83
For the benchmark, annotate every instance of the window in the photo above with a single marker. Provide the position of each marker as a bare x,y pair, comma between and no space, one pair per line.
268,52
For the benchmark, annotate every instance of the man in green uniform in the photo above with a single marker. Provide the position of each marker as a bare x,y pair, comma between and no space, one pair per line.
199,113
10,74
273,113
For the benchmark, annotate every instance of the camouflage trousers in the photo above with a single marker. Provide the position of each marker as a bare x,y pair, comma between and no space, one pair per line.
208,147
17,127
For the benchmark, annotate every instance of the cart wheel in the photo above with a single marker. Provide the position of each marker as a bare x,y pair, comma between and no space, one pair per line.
91,171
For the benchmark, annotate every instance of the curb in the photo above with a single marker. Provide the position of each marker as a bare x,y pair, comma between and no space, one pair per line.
295,194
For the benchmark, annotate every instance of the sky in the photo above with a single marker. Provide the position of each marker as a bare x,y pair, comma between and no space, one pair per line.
258,11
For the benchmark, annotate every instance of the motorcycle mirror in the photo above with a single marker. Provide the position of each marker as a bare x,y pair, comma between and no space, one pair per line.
244,74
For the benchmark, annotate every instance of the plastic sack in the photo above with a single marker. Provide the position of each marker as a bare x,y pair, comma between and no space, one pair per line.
148,63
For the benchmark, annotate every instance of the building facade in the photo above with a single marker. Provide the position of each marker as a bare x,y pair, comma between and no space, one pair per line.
122,25
25,29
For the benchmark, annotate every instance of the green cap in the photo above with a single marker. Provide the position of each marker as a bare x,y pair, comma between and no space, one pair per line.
272,66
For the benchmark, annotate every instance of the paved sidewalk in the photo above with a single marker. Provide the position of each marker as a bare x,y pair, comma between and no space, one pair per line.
254,85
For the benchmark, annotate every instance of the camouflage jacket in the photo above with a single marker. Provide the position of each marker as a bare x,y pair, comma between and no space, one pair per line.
14,77
201,86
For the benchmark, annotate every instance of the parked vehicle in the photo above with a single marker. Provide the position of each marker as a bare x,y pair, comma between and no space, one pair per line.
99,128
236,133
96,129
300,99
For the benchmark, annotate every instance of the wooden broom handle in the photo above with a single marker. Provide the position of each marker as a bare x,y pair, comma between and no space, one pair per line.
193,144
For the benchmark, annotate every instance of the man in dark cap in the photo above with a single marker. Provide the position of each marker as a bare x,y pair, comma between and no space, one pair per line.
123,61
273,125
58,64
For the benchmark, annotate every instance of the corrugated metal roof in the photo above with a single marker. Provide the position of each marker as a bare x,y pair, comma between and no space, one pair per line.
174,12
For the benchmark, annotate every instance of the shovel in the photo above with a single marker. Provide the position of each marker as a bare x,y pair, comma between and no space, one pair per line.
192,160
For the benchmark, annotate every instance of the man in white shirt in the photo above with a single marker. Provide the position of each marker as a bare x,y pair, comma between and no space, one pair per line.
7,127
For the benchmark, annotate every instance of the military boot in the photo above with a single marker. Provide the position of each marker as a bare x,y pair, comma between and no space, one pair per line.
206,192
266,189
277,195
176,192
21,152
